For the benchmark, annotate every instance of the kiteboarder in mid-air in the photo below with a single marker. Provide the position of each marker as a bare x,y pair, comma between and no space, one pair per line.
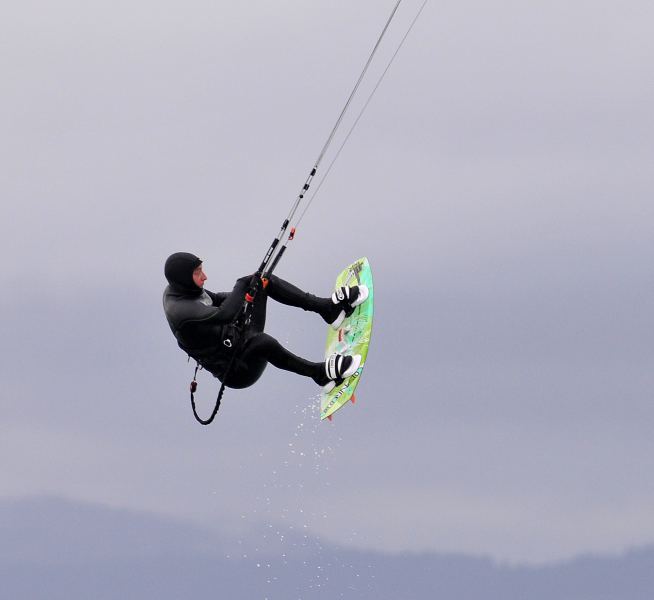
224,332
203,324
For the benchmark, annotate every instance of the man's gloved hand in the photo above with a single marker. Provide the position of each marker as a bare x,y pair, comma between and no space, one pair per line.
244,280
254,284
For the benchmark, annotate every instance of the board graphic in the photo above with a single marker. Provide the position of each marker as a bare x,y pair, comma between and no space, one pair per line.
352,337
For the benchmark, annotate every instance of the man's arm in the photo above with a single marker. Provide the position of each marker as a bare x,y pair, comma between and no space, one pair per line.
217,298
225,306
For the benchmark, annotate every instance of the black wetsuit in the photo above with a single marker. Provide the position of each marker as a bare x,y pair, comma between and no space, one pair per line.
197,318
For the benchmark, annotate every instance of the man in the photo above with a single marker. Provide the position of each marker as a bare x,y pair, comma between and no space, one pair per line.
201,322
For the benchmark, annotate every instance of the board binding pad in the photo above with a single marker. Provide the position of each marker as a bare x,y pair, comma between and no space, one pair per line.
352,337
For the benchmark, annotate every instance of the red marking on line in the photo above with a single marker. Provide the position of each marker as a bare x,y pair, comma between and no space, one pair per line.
330,417
340,335
353,399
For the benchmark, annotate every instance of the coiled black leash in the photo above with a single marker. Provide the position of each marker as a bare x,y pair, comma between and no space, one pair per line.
216,408
236,347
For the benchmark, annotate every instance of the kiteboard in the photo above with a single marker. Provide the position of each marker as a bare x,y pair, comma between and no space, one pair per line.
352,337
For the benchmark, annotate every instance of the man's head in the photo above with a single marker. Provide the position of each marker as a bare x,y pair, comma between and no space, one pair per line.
199,276
184,272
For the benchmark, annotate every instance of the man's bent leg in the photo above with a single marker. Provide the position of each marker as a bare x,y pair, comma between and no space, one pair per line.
264,346
286,293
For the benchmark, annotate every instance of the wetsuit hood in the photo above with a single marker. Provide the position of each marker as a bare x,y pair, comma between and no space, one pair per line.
179,272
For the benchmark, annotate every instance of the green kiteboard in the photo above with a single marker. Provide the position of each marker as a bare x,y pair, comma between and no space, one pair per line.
352,337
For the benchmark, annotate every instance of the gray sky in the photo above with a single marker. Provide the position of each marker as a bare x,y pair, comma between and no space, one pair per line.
504,176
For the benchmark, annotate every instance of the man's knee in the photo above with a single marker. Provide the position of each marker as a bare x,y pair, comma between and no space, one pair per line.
261,343
273,283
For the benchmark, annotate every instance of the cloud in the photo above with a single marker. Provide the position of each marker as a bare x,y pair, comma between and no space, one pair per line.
502,180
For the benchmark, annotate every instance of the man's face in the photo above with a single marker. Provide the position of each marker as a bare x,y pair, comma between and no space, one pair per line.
199,277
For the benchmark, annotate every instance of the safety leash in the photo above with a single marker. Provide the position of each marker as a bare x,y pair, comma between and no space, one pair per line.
194,387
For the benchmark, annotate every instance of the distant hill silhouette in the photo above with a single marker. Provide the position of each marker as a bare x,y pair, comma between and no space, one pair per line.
54,549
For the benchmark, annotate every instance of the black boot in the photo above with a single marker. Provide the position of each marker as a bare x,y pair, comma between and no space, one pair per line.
344,300
338,368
